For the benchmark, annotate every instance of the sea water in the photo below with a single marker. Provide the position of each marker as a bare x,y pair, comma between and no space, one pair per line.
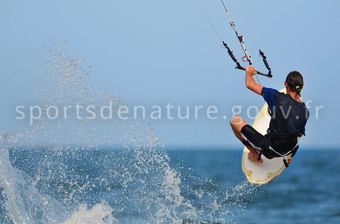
127,175
203,186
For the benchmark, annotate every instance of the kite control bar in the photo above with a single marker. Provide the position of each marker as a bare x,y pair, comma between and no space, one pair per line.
239,66
246,57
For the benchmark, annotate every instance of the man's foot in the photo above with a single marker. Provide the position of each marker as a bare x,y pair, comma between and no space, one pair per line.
254,158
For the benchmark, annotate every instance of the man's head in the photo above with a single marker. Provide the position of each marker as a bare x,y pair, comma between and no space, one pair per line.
294,82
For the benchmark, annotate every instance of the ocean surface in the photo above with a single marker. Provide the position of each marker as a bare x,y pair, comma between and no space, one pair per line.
105,185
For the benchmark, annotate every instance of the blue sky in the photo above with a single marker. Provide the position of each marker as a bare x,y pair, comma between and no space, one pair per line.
156,52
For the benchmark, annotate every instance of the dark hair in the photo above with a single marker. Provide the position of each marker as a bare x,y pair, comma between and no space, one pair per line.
295,81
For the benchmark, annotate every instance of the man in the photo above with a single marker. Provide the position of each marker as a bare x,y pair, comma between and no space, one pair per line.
289,116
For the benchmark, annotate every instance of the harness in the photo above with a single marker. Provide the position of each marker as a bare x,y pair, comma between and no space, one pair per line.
281,140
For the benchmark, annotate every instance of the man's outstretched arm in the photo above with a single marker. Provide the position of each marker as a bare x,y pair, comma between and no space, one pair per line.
251,84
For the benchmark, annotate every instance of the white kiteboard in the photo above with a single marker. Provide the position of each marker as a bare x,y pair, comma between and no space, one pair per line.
269,169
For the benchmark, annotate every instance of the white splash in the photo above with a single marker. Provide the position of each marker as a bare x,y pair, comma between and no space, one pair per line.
24,203
99,214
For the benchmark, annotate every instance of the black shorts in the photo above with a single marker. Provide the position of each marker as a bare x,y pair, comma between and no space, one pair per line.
256,140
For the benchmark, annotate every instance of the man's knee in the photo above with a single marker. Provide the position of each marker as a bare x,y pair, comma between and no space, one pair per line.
236,121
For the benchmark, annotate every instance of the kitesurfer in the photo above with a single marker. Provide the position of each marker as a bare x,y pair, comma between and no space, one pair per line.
289,116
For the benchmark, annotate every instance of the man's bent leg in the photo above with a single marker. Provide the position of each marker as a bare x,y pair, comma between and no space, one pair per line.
237,123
